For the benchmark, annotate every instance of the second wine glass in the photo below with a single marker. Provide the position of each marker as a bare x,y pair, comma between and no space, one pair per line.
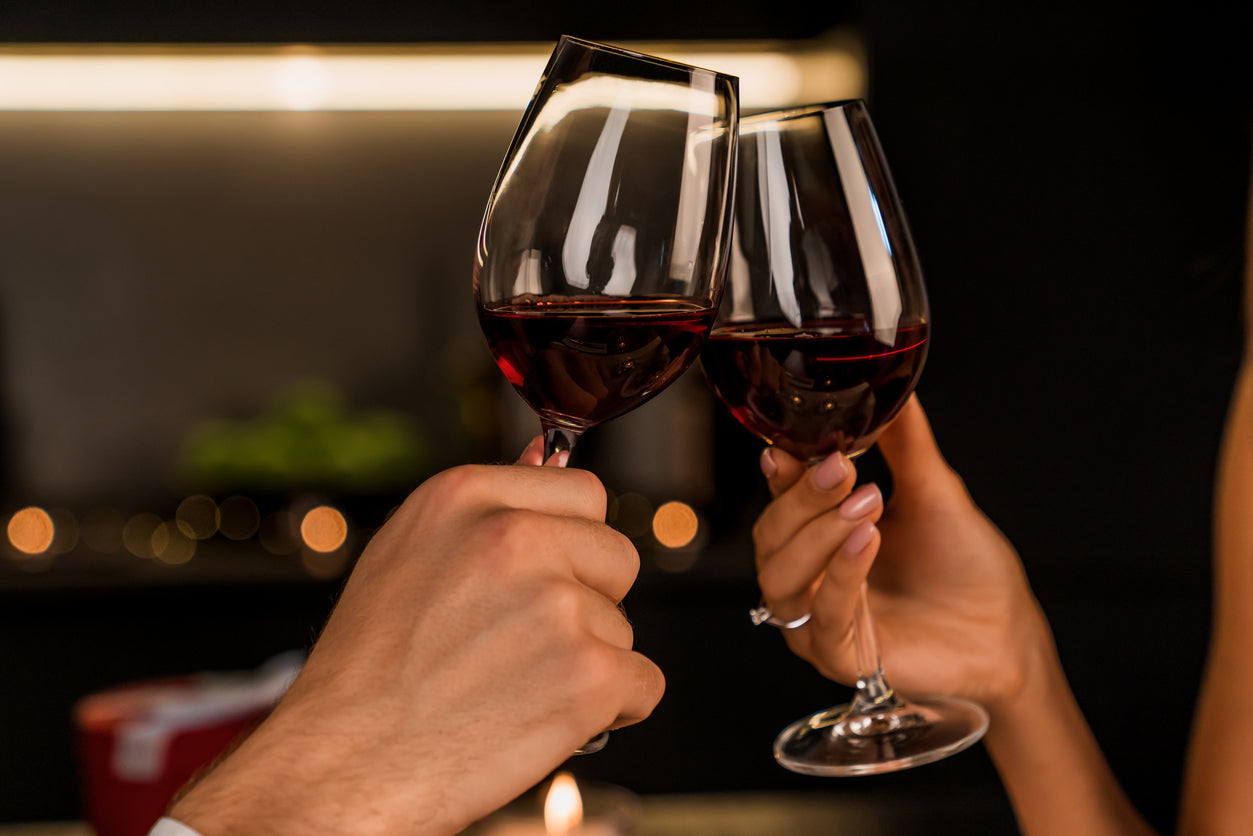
818,347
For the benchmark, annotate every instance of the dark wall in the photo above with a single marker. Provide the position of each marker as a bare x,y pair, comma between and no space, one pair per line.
1076,177
1077,180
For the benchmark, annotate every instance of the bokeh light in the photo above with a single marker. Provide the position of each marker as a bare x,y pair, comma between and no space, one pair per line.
323,529
238,518
137,534
197,517
631,514
675,525
65,531
31,530
171,545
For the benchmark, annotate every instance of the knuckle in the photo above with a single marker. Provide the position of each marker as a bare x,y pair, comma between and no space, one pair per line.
592,490
593,675
626,558
562,604
456,485
509,539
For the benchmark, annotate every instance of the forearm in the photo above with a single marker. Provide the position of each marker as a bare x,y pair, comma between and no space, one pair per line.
1053,769
1216,799
283,780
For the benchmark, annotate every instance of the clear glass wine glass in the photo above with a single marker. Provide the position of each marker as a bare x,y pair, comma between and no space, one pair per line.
818,346
603,249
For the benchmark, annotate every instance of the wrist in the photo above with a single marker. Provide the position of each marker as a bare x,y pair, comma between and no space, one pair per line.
284,780
1031,669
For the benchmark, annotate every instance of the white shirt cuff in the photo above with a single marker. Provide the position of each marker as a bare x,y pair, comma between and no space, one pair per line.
169,827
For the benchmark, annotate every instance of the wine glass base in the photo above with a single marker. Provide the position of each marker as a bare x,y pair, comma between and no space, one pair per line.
839,741
594,745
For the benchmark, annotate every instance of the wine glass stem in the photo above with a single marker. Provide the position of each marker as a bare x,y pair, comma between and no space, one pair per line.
873,691
558,440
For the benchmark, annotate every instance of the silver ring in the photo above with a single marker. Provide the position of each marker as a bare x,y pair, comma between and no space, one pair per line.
762,615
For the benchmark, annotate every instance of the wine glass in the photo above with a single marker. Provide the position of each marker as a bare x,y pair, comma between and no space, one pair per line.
603,249
819,346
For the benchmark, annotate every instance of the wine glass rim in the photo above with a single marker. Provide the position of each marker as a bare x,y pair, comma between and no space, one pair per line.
798,112
624,52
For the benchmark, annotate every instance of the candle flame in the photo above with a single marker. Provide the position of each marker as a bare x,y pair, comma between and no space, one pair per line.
563,806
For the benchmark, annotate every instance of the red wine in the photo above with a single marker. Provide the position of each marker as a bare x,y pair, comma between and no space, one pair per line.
581,361
828,385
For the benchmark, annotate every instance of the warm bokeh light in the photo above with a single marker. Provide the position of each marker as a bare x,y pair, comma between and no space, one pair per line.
631,513
238,518
563,806
31,530
302,82
675,525
171,545
323,529
197,517
406,77
65,531
137,534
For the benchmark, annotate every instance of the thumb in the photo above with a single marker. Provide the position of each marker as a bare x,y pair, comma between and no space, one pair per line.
909,448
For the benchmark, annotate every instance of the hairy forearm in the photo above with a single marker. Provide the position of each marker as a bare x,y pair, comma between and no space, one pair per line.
283,781
1050,763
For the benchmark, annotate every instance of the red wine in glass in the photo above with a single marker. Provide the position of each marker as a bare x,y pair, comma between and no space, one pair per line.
580,361
604,245
824,386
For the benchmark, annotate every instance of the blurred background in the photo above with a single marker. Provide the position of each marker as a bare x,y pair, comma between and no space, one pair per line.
233,336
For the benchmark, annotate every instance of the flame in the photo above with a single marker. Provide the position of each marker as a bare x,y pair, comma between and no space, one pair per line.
563,806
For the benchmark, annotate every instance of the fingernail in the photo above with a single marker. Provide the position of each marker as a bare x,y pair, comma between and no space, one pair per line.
830,472
861,502
859,539
768,465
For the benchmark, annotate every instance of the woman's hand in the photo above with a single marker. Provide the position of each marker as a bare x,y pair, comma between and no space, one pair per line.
952,608
952,611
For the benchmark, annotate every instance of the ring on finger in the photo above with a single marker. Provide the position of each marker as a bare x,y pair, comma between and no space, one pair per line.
761,614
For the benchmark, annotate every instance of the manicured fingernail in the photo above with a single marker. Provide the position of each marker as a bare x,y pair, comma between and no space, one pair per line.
859,539
861,502
558,459
830,472
768,465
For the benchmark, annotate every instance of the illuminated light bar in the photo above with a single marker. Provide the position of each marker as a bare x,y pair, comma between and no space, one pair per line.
472,77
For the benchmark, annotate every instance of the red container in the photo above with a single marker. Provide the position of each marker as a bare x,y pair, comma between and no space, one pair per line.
140,743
